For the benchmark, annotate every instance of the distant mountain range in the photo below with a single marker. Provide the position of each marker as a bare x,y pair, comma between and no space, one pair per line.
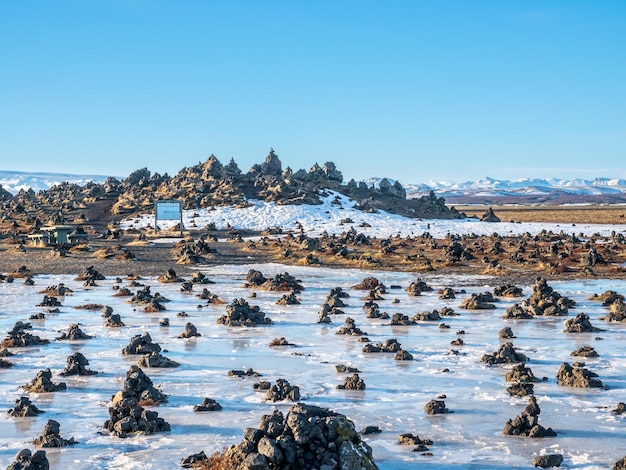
485,191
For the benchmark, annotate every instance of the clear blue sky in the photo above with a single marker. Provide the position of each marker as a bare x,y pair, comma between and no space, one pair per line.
413,90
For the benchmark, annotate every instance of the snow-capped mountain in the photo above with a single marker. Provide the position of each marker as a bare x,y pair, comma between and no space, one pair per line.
485,191
521,191
13,181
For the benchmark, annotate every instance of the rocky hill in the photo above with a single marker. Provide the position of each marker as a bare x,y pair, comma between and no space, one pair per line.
212,184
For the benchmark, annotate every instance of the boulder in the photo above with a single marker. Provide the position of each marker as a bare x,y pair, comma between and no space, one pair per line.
353,382
208,404
24,408
506,354
547,461
77,365
569,376
26,460
240,313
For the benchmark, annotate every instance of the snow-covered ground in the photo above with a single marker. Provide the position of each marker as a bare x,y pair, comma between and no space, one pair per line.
340,217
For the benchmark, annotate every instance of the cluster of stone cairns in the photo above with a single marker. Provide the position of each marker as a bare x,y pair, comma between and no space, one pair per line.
307,437
19,337
544,301
240,313
126,413
42,383
456,253
153,303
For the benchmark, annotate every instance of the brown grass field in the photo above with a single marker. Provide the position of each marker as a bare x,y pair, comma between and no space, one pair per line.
591,214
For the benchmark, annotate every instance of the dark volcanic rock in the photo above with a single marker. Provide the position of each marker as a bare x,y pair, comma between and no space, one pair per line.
139,386
24,408
436,407
527,423
26,460
190,331
577,377
156,360
505,354
19,337
307,437
354,382
51,436
547,461
208,404
579,324
240,313
74,333
77,365
43,383
585,351
283,390
141,344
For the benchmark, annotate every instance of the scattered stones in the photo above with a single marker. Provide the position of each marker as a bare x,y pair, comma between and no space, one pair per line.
354,382
90,276
527,423
547,461
283,390
208,404
436,407
74,333
505,354
51,436
372,429
607,298
209,297
579,324
77,365
569,376
342,369
141,344
156,360
617,312
240,313
190,331
26,460
24,408
42,383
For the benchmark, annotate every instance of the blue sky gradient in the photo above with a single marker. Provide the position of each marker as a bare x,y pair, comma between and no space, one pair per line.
413,90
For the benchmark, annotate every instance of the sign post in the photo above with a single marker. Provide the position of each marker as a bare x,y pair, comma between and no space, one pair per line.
168,210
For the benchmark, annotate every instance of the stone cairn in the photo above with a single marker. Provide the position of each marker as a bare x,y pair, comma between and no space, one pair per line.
240,313
42,383
126,413
307,437
19,337
51,436
527,423
77,365
26,460
24,408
